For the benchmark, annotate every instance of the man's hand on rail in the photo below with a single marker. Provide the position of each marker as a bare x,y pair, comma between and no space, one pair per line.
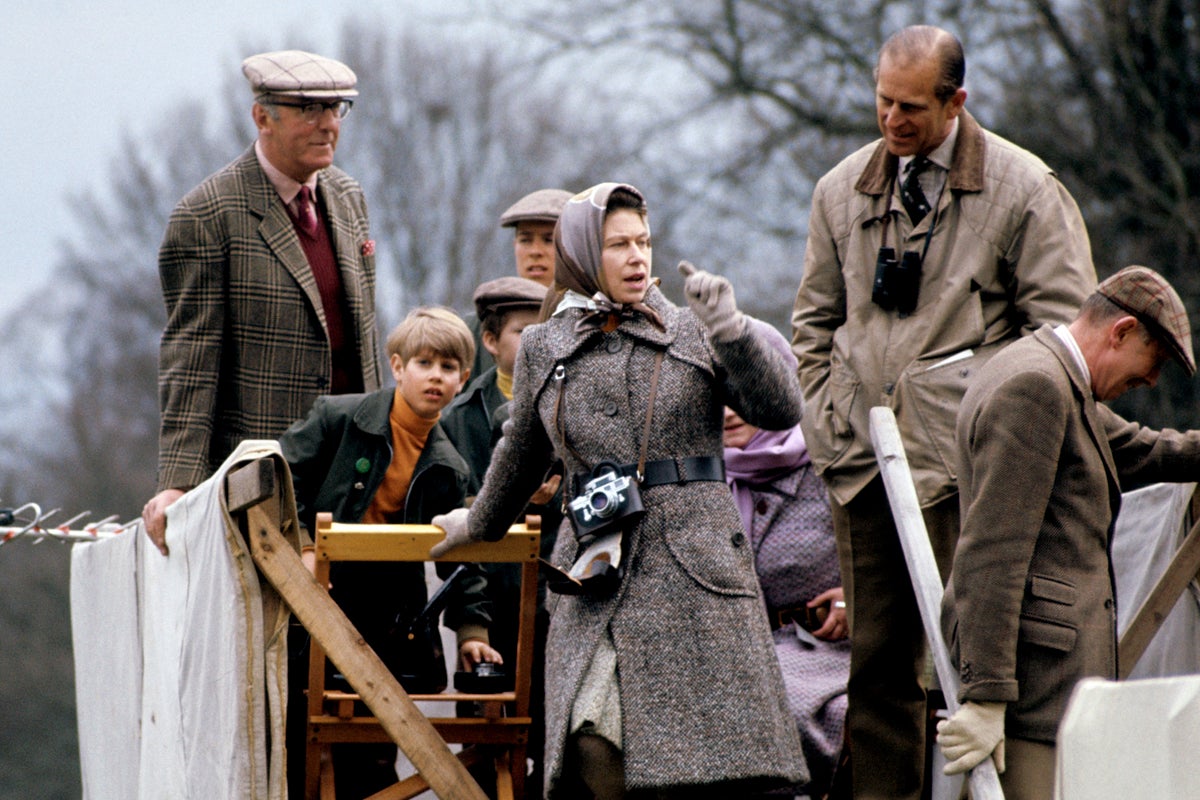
455,526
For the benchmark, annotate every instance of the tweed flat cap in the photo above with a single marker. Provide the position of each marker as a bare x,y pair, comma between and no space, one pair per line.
544,205
295,73
1147,295
509,292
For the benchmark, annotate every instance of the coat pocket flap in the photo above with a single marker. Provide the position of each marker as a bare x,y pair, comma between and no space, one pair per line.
1051,589
1048,634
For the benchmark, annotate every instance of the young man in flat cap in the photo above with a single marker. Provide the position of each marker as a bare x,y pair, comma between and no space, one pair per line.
504,307
1030,608
532,219
268,274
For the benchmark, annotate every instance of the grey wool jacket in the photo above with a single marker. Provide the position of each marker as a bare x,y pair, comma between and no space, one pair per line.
702,700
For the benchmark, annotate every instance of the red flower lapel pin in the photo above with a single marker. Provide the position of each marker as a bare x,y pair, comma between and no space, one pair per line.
368,248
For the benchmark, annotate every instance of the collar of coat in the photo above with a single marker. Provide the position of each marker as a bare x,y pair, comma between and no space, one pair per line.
1087,402
966,165
638,327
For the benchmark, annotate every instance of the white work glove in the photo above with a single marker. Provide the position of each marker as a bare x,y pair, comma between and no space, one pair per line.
971,735
455,526
711,299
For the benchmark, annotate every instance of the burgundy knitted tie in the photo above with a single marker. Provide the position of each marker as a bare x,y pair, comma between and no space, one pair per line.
306,212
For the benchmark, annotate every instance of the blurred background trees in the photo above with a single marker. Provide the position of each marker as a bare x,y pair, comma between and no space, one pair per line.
724,112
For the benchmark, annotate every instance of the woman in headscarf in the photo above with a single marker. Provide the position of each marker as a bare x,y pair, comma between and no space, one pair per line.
785,511
661,677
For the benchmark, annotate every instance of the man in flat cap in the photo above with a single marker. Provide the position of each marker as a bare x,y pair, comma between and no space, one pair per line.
268,274
1030,608
532,219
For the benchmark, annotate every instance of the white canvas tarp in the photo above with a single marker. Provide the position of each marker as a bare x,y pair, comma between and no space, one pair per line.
180,661
1138,738
1149,530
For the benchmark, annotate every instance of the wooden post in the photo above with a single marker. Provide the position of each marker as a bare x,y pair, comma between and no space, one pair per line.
252,489
922,568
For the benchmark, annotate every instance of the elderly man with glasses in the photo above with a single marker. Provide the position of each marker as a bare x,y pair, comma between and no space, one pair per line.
268,275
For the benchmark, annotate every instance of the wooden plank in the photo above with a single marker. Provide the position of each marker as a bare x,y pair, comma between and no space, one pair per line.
1184,568
327,623
922,567
412,543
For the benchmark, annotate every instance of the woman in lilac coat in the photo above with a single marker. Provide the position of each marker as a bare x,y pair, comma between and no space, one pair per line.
785,510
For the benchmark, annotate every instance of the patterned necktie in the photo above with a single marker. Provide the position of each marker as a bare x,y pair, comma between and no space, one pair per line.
910,191
306,212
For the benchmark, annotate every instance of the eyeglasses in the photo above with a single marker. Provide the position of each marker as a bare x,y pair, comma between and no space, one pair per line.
313,110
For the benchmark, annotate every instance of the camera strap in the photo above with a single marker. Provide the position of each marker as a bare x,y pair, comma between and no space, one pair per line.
560,375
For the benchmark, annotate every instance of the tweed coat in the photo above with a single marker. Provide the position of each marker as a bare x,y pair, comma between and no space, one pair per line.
1031,606
245,350
1010,252
701,694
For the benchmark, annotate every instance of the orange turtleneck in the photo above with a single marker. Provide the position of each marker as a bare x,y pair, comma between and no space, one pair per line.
409,433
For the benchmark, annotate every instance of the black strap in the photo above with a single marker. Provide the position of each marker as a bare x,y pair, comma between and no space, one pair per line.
666,470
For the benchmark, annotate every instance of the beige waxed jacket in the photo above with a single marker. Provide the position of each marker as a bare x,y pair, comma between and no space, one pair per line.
1009,253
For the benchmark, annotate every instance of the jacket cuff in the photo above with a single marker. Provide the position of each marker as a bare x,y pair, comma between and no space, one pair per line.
472,631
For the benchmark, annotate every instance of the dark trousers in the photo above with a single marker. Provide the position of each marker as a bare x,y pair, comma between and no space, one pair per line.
887,704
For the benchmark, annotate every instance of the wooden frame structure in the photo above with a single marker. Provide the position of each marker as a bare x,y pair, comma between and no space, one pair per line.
255,494
506,720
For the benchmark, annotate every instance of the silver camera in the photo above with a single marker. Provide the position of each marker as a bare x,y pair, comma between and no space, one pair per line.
604,502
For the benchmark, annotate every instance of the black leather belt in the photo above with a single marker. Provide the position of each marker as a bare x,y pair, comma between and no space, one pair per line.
667,470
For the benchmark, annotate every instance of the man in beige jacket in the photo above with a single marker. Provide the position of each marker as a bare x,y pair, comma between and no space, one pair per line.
981,245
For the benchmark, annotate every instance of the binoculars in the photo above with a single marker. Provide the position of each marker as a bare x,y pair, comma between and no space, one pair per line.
896,282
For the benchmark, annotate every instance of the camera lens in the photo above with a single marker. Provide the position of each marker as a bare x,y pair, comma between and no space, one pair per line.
601,502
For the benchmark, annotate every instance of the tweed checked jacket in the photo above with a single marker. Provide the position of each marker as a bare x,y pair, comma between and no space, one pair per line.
1009,253
245,351
702,698
1031,606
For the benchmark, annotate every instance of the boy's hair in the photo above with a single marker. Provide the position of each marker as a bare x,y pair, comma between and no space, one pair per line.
436,329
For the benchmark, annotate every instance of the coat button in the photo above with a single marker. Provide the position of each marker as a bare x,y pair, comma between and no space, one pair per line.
362,466
738,539
888,388
1108,603
610,408
613,345
761,507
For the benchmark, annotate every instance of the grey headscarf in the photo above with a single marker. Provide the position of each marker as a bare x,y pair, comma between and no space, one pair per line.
578,243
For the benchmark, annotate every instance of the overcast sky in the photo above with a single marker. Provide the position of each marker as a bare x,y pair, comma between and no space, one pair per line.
77,75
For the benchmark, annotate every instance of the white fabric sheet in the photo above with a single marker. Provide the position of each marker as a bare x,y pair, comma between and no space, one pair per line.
208,683
108,664
1149,530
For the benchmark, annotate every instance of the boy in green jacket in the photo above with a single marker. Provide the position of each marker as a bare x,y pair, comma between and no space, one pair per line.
383,458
